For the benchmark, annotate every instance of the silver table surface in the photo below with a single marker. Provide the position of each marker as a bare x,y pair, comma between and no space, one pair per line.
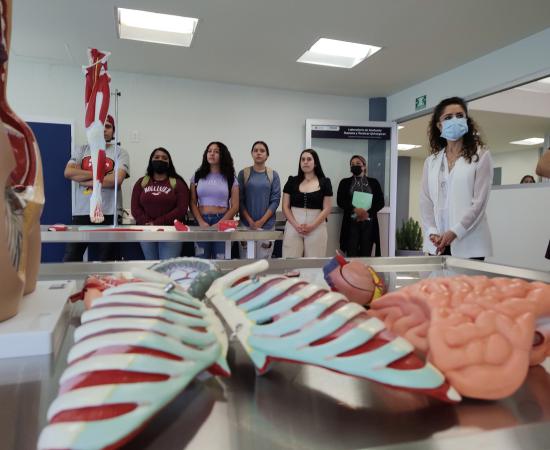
295,406
196,234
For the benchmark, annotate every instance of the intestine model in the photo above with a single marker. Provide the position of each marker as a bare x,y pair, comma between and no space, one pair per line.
357,281
22,192
275,317
482,333
137,348
97,99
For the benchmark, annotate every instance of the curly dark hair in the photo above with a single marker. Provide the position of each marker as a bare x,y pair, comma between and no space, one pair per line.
471,141
227,169
317,168
171,169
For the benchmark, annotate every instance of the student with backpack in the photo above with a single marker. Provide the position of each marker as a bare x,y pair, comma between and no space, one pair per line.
260,194
159,198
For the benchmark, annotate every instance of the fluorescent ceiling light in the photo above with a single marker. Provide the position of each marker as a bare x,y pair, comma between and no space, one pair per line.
155,27
407,146
400,127
529,141
333,53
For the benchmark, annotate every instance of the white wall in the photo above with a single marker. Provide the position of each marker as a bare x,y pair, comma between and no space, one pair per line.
519,219
417,165
184,115
515,101
516,164
517,61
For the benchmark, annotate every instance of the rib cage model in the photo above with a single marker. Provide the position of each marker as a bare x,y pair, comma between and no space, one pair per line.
138,347
287,319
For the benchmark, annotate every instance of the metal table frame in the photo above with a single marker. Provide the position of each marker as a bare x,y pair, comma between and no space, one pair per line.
196,234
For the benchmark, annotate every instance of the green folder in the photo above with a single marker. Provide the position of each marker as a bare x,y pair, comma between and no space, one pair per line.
362,200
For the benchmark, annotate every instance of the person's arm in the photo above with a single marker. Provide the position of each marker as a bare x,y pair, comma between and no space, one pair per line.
327,206
377,197
274,200
73,169
482,189
74,173
137,209
288,212
343,197
182,203
194,206
427,216
543,166
242,201
234,202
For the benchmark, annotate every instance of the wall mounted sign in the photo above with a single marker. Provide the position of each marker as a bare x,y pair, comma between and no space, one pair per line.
350,132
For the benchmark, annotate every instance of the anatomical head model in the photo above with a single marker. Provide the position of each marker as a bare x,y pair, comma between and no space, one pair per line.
22,196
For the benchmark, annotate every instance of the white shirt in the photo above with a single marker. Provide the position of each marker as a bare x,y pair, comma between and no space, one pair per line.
467,195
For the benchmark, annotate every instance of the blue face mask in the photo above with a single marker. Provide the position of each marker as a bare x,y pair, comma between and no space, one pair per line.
453,129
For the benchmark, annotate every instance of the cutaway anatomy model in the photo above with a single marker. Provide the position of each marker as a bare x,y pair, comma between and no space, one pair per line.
357,281
277,318
97,99
22,192
482,333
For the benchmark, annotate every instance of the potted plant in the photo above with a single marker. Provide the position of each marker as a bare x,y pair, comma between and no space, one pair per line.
408,239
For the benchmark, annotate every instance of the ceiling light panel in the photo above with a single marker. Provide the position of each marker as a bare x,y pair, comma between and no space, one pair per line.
333,53
407,146
529,141
153,27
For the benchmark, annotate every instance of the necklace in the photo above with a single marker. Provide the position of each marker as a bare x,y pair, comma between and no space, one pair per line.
451,162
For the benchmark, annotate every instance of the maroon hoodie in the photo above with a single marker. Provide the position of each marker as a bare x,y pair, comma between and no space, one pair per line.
158,204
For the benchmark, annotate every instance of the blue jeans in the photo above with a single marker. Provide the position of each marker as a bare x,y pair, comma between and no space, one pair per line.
210,250
161,250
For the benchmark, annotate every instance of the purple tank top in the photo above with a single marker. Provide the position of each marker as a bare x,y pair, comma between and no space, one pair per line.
212,190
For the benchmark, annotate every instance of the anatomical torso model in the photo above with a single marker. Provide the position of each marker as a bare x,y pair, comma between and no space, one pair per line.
23,193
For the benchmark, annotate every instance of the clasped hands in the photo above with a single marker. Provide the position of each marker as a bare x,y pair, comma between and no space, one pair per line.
305,228
442,241
361,214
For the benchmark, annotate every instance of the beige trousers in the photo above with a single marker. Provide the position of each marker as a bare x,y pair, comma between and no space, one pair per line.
314,244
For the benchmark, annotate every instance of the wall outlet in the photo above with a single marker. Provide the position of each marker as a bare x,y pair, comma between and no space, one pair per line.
134,137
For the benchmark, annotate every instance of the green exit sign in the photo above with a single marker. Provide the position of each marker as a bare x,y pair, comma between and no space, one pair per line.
420,102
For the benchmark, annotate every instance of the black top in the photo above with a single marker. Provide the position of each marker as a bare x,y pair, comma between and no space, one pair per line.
309,200
344,197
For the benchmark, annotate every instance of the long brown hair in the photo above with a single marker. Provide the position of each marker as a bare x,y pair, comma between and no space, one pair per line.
471,141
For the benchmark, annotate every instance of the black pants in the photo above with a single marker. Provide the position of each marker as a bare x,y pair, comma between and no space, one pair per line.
105,251
447,251
361,238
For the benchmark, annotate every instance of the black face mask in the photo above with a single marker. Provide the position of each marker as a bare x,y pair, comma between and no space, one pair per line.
159,166
356,170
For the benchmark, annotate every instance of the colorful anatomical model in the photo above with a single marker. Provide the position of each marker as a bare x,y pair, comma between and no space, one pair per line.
275,317
97,99
482,333
21,195
357,281
138,347
192,275
195,275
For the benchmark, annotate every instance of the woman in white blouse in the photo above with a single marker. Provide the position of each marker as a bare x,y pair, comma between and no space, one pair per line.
456,183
